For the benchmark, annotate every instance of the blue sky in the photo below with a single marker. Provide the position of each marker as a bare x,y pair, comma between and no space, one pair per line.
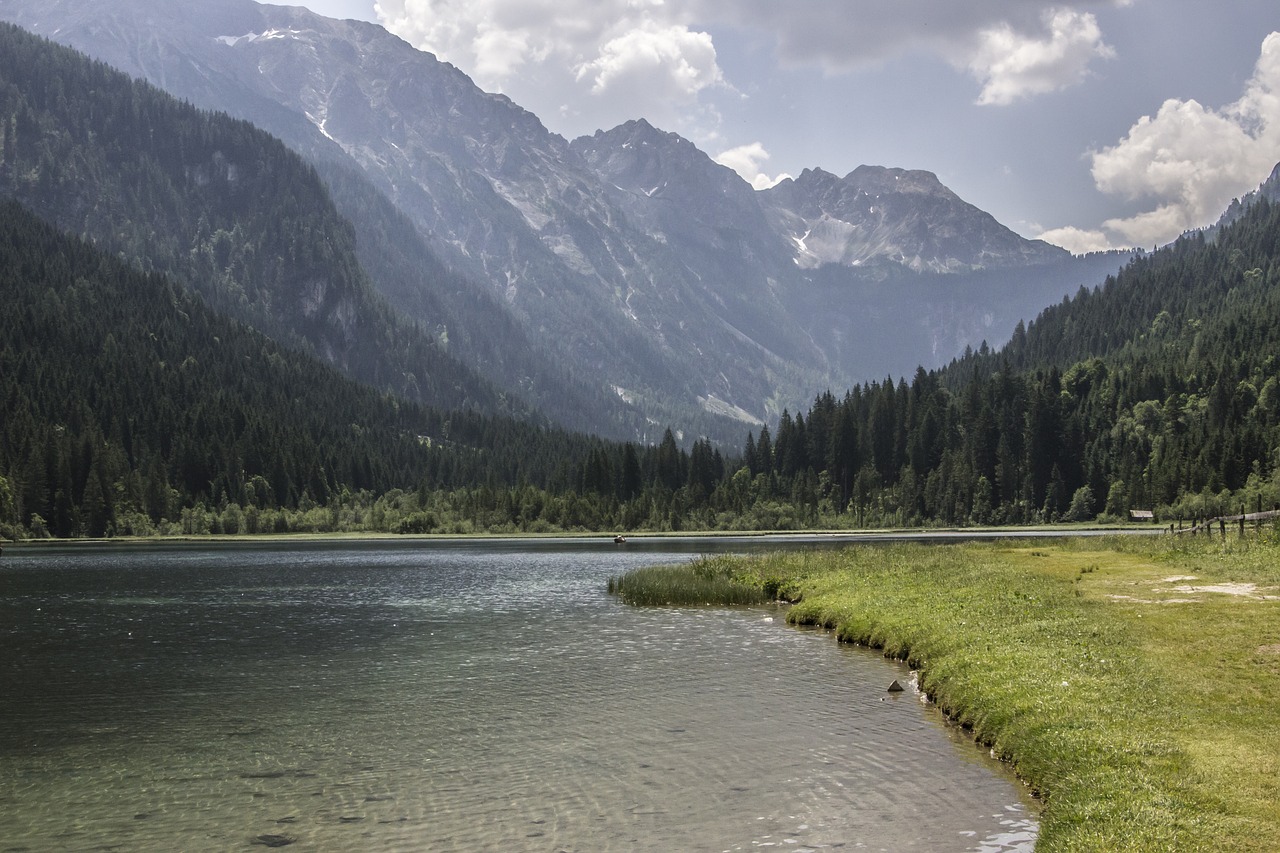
1094,124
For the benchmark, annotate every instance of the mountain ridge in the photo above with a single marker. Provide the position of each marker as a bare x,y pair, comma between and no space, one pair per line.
213,201
686,314
904,215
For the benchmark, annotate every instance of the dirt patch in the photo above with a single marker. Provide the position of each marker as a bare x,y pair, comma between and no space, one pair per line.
1250,591
1244,590
1273,649
1133,600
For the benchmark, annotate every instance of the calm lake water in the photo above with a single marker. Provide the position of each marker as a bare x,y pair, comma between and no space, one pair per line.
452,696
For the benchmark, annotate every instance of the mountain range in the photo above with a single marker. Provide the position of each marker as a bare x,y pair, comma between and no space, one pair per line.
187,292
618,282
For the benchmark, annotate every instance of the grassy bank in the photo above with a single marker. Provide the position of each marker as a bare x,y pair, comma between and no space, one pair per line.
704,582
1135,685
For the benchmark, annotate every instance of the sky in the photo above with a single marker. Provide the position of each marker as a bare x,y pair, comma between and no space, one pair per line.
1093,125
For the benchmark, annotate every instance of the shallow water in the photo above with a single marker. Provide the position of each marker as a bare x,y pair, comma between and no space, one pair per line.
445,696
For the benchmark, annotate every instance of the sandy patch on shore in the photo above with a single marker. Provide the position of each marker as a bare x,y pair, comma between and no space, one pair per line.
1245,590
1241,590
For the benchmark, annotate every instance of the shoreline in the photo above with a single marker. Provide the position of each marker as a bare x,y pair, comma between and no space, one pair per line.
1131,733
855,536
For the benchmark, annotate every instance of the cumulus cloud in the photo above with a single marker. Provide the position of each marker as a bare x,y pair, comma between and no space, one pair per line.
1015,48
1013,65
661,61
1078,241
1189,161
590,63
747,161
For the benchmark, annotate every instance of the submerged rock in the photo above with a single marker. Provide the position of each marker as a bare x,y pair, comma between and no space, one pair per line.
274,840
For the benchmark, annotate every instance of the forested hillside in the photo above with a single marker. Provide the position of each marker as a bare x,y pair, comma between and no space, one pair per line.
1159,389
129,406
215,204
178,367
631,260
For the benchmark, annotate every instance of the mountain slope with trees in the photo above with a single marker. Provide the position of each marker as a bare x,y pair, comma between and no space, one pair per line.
630,259
132,407
129,404
213,202
1161,388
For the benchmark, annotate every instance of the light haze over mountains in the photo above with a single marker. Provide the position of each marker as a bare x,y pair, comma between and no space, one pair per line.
629,256
1090,123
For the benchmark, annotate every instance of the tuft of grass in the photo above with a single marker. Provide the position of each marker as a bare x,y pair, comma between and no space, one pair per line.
1145,718
706,581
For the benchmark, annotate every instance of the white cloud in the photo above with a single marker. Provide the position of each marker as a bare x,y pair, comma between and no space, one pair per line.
659,61
1077,240
747,160
592,63
596,63
1189,161
1015,48
1013,65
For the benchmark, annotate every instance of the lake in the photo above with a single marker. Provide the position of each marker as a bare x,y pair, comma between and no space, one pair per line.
453,695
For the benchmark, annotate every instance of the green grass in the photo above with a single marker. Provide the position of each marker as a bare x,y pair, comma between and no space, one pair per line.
1144,717
705,582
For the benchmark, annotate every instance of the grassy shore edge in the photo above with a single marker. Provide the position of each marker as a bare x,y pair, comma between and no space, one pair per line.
1072,660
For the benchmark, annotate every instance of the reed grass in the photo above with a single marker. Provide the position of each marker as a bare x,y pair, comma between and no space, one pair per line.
705,582
1145,717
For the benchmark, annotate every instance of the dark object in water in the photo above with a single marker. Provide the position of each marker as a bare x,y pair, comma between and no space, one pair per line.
895,687
274,840
619,539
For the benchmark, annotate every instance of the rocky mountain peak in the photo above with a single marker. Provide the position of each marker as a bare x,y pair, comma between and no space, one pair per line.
1268,189
879,180
639,158
629,254
903,216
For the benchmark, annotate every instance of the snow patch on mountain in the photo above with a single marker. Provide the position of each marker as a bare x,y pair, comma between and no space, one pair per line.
250,38
631,250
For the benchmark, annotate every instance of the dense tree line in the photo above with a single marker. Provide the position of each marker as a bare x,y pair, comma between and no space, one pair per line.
130,406
133,403
1157,389
318,260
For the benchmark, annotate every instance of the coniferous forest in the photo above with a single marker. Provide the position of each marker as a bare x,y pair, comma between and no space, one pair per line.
131,407
225,367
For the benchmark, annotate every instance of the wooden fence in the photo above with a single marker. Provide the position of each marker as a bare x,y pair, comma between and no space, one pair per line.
1222,521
